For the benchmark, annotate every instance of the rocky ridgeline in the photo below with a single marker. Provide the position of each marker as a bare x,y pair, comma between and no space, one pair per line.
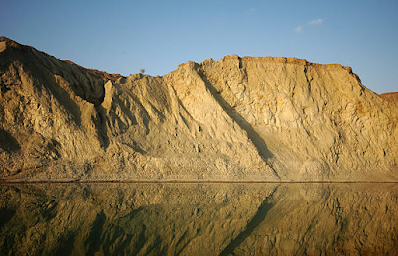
253,119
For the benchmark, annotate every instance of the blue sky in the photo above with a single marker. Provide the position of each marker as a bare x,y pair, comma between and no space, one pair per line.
125,36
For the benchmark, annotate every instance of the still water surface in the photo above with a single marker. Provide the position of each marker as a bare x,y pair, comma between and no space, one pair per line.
199,219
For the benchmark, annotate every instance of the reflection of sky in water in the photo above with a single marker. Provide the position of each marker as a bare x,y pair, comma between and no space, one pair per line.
198,219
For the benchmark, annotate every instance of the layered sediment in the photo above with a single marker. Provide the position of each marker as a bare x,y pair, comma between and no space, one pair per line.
247,119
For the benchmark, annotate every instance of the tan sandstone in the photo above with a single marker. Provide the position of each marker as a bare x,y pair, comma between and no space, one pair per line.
251,119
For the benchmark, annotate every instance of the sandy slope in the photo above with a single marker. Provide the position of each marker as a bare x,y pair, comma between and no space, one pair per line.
236,119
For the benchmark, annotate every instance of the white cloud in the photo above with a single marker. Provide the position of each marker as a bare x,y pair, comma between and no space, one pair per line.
298,29
252,9
315,22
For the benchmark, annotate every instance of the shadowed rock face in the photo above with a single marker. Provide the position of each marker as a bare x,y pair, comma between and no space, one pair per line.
236,119
199,219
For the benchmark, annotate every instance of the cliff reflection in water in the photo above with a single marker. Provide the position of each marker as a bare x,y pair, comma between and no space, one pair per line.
199,219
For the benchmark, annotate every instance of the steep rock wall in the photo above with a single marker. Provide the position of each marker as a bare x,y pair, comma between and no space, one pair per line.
317,121
237,119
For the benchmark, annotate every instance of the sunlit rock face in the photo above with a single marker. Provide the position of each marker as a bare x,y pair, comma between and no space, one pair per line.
198,219
237,119
317,122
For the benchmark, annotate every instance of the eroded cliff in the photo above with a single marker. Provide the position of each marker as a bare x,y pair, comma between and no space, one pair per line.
261,119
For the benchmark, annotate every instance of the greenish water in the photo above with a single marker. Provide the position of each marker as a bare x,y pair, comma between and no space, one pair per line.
199,219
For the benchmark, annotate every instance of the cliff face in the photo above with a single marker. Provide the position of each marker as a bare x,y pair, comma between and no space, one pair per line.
236,119
318,120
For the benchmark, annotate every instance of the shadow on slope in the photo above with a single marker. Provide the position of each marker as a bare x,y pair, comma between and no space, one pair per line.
258,142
